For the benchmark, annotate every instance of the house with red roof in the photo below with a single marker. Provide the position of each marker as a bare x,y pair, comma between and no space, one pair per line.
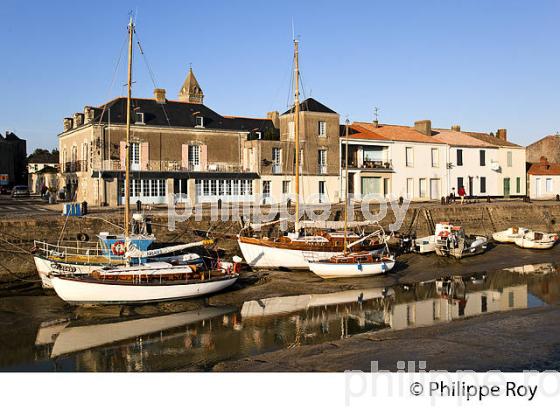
544,179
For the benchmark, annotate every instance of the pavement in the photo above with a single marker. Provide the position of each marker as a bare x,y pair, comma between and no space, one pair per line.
27,206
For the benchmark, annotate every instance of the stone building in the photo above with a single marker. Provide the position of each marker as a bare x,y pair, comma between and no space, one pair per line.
12,159
42,170
548,147
274,158
180,147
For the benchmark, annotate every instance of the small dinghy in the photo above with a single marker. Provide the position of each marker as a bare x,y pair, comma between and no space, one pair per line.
537,240
146,283
426,244
510,234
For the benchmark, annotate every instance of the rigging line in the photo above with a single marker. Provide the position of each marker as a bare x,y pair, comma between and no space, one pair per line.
114,78
152,75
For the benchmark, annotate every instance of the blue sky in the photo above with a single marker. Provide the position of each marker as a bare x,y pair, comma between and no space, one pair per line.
481,64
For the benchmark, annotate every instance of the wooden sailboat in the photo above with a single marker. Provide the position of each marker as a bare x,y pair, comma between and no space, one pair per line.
144,282
354,264
288,250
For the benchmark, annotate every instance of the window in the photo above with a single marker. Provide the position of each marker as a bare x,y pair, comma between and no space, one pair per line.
321,190
135,155
322,159
435,157
194,155
518,184
484,303
509,159
409,157
371,185
258,134
162,187
409,188
482,185
459,183
422,188
548,185
199,122
285,187
198,187
139,118
276,160
459,157
322,129
291,130
482,157
266,189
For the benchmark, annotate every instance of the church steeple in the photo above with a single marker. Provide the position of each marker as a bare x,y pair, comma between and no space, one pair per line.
191,91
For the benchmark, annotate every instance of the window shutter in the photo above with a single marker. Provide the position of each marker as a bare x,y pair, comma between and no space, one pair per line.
144,155
203,157
122,154
185,156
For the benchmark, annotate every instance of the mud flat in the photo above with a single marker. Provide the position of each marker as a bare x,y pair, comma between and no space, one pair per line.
512,341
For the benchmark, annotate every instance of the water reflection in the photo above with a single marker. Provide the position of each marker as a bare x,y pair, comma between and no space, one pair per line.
197,339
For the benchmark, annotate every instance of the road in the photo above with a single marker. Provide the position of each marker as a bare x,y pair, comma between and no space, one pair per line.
10,207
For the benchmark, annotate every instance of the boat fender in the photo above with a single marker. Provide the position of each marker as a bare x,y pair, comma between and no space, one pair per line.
118,248
236,267
83,237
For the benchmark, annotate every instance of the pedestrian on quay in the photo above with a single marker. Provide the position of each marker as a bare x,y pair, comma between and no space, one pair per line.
452,195
462,194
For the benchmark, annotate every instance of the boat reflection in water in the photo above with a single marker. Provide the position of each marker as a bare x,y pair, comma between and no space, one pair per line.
198,339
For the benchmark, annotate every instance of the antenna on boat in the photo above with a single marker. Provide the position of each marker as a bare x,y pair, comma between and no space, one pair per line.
128,119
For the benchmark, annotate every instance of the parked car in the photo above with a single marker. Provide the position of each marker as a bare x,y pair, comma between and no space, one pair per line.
4,190
20,190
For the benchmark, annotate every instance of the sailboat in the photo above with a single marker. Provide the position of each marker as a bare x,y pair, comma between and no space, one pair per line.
353,264
288,250
144,282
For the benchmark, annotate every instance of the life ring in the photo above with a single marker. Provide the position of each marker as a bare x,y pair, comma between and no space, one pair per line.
118,248
83,237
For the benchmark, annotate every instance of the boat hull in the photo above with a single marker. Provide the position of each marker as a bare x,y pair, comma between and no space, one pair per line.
76,291
531,244
45,267
266,257
328,270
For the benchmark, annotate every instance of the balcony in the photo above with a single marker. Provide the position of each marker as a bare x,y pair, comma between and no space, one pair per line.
75,166
373,165
322,169
115,165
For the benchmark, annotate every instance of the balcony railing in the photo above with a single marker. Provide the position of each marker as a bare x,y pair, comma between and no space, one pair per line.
75,166
115,165
380,165
321,169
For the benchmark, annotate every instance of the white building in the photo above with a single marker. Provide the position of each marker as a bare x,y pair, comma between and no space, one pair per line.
421,163
544,180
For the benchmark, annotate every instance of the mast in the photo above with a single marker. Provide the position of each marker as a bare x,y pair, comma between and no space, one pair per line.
296,128
346,191
128,114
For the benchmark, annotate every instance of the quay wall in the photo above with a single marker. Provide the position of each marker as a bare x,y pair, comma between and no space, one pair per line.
17,235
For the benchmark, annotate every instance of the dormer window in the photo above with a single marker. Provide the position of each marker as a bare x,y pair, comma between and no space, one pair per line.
139,118
199,122
258,134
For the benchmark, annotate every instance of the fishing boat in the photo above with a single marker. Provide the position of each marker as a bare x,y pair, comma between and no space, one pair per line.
509,235
354,264
287,249
140,282
537,240
451,240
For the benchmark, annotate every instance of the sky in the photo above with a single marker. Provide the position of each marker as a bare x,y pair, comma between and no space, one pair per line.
481,64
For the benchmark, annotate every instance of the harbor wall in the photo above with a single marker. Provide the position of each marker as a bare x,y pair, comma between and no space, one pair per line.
16,236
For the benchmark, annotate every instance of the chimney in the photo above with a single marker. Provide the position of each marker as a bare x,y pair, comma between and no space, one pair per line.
424,127
456,128
78,119
159,95
68,123
375,123
88,114
502,134
274,117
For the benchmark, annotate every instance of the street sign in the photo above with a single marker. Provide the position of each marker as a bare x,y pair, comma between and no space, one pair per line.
4,179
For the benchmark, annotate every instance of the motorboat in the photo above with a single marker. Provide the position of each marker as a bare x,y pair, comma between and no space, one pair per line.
451,240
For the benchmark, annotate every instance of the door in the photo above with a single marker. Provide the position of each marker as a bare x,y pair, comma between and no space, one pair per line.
409,188
537,187
506,188
470,186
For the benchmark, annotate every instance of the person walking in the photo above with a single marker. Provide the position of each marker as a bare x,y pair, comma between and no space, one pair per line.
462,194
